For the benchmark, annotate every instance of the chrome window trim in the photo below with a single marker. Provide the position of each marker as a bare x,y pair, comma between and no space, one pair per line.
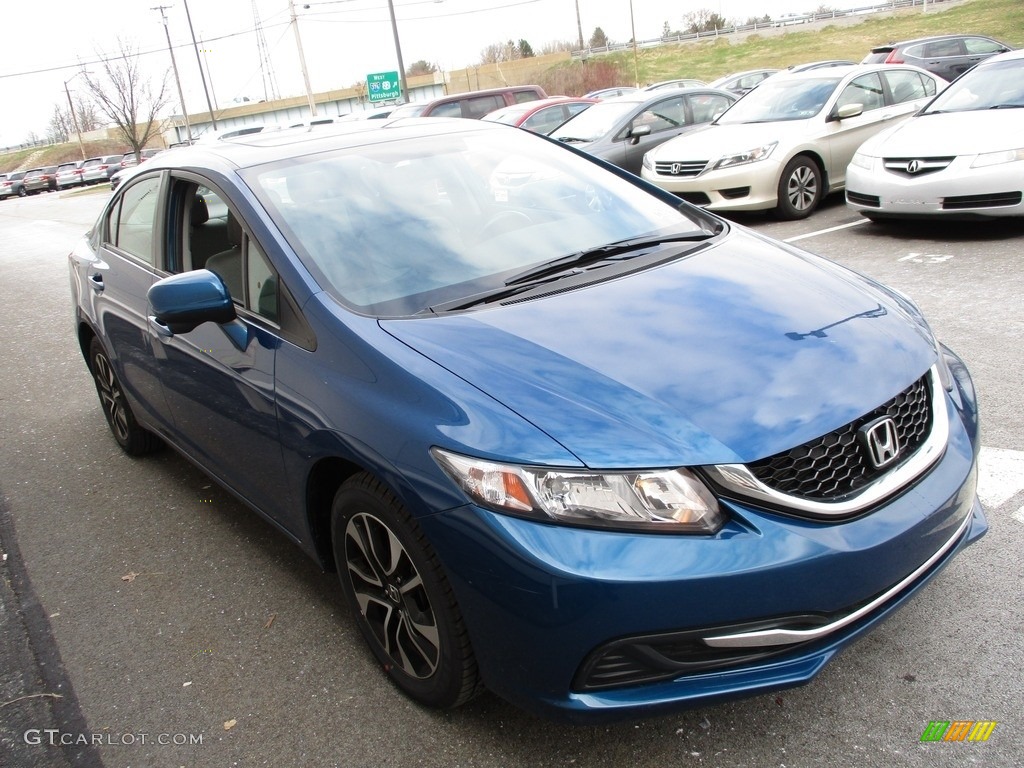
738,479
771,637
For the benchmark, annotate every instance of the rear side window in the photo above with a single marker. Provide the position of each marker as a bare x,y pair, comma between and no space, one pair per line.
936,49
452,109
905,85
479,106
134,220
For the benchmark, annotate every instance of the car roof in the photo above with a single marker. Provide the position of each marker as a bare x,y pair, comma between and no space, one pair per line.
930,39
267,147
643,97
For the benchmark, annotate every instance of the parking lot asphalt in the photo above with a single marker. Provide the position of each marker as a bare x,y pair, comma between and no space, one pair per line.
178,629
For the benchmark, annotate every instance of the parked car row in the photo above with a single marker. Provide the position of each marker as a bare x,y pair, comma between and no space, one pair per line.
75,173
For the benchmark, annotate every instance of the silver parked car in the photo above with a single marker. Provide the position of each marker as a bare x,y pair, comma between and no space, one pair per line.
621,130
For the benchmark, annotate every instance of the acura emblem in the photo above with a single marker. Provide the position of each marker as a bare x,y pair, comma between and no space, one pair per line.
881,442
913,166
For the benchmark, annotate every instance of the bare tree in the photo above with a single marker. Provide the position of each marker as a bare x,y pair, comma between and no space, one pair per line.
557,46
704,20
126,98
59,128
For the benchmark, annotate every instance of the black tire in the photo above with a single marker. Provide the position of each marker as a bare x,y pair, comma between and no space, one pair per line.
400,597
133,439
800,189
22,192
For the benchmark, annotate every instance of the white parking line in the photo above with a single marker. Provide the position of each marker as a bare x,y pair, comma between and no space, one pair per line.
825,231
1000,478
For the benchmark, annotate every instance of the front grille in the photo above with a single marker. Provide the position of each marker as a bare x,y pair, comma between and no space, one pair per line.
916,166
871,201
1000,200
835,465
685,168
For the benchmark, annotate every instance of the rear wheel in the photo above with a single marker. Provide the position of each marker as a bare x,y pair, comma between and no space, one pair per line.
800,188
132,438
400,597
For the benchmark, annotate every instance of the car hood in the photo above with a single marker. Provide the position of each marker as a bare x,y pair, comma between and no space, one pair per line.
736,352
955,133
713,141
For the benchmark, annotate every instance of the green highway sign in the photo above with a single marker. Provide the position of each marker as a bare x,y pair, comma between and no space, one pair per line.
383,86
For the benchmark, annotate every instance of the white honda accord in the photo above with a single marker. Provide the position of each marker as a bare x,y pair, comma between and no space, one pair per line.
786,144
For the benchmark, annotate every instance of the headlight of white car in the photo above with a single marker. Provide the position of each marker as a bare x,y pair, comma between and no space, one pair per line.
998,158
673,501
742,158
861,160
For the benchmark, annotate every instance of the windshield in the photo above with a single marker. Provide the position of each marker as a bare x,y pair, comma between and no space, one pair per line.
408,110
594,122
999,85
394,228
777,100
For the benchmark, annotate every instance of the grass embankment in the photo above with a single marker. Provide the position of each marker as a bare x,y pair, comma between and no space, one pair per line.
846,38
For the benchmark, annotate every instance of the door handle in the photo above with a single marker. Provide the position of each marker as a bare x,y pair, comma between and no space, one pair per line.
96,281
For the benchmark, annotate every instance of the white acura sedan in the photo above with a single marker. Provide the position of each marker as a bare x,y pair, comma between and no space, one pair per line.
962,156
787,143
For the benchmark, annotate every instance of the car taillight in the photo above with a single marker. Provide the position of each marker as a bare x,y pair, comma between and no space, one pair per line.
894,58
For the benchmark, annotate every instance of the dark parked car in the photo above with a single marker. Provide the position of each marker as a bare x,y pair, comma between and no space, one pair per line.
41,179
471,104
621,130
13,185
594,449
69,175
947,56
99,169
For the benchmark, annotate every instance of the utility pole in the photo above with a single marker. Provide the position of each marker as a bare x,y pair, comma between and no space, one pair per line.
200,64
174,65
579,24
302,58
632,25
74,117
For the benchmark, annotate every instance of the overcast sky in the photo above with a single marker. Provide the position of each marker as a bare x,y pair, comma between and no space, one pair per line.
343,40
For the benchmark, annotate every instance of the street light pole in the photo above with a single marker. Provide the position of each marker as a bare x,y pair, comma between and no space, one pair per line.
74,117
398,53
174,66
302,58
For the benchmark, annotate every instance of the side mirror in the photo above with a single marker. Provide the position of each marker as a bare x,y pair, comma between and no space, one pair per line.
849,110
637,131
183,302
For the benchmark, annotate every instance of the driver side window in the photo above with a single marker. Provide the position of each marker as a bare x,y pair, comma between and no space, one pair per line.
212,237
866,90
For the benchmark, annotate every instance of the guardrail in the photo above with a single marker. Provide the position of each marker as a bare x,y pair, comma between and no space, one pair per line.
737,28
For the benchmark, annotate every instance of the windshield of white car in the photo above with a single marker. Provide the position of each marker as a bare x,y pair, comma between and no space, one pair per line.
781,100
391,229
999,85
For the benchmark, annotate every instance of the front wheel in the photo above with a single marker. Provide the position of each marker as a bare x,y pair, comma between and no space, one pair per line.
132,438
800,189
400,597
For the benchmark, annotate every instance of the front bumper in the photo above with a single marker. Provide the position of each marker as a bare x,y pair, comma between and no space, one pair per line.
750,187
543,603
957,191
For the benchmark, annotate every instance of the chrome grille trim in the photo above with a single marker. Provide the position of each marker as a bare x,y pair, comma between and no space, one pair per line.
684,168
773,637
740,480
916,166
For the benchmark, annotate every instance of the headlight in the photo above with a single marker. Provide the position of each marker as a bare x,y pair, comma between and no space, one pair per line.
673,501
741,158
867,162
998,158
648,163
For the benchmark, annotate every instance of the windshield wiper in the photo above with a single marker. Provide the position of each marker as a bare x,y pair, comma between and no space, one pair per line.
612,251
571,139
1007,106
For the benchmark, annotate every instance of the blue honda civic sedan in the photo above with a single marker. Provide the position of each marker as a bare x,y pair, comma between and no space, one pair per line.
561,436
